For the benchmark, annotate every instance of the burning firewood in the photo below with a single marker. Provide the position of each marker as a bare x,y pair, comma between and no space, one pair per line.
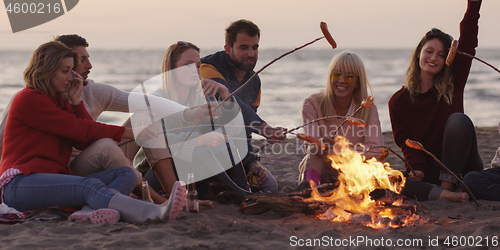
367,192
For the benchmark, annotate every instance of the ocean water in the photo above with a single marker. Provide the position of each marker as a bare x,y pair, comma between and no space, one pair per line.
285,84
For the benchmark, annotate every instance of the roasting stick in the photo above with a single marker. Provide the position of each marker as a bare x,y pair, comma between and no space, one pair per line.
327,36
453,51
396,154
419,146
364,104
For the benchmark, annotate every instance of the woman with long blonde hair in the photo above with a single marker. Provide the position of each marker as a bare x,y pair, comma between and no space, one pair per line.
347,86
204,150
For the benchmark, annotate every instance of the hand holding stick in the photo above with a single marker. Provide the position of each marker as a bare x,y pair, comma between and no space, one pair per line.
326,35
419,146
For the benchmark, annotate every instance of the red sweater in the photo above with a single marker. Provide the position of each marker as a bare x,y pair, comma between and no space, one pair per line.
423,120
40,133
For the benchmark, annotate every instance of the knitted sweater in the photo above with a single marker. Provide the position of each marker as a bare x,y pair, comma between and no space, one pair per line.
98,98
40,133
424,119
370,135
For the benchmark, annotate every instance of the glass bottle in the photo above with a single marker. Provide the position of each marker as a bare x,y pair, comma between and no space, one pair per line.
253,182
192,195
146,196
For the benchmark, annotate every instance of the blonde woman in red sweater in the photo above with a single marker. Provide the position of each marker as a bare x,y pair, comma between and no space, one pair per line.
42,128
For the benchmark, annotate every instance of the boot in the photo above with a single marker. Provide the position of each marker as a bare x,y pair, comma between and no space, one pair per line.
309,175
137,211
103,215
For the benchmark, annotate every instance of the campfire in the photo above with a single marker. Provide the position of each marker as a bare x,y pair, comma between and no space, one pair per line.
366,193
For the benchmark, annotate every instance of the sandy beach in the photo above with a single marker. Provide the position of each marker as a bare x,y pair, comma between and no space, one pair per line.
224,227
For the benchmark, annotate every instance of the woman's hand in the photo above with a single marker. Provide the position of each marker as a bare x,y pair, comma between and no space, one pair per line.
75,88
212,139
416,175
198,114
325,140
211,87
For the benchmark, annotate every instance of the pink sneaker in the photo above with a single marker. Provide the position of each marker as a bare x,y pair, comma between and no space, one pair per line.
103,215
177,200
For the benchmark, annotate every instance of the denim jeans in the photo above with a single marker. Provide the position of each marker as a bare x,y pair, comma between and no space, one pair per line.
484,184
101,155
41,190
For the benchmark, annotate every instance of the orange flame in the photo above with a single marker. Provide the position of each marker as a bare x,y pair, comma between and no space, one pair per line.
357,179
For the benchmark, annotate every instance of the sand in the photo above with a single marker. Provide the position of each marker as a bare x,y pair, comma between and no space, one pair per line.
224,227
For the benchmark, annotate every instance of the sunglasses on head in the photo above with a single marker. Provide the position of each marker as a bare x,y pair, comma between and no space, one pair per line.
179,43
348,78
439,32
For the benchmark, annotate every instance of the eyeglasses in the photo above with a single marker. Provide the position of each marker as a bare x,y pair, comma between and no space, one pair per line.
348,78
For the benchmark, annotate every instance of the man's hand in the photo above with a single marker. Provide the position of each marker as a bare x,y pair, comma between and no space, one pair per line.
258,170
273,135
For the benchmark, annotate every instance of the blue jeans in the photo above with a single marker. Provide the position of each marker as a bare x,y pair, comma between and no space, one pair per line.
484,184
40,190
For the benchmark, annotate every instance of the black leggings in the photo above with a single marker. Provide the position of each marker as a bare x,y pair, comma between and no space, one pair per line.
460,154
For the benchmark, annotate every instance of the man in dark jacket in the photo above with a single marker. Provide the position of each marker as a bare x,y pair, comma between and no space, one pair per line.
233,67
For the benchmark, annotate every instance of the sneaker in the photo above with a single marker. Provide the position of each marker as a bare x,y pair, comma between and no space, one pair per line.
103,215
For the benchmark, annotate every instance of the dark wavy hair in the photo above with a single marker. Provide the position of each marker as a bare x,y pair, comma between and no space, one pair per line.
72,40
242,25
443,81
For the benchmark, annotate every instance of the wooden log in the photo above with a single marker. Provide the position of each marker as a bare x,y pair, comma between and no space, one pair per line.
285,205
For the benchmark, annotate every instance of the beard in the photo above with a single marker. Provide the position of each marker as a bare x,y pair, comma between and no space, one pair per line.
242,66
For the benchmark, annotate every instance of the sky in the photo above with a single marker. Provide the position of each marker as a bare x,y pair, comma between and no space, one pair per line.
155,24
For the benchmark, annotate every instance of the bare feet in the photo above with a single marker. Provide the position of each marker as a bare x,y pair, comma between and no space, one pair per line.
454,196
205,204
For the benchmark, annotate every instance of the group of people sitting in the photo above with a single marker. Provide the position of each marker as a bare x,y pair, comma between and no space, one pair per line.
54,153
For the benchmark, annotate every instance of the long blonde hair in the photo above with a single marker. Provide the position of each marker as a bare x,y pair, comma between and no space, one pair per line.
44,63
170,59
443,80
352,63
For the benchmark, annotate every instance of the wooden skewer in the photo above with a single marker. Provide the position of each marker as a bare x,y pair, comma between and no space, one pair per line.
419,146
